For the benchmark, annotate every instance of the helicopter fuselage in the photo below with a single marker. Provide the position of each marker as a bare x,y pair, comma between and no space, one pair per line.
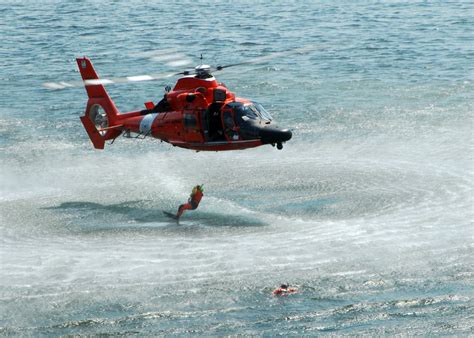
199,114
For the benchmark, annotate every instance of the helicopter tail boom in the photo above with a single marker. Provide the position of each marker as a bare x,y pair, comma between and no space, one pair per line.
101,119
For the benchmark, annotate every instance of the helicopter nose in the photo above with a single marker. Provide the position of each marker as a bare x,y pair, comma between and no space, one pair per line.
275,135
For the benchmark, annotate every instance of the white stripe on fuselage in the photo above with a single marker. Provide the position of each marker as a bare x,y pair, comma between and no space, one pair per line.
146,123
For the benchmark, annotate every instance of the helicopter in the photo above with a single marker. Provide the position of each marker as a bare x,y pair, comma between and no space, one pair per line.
199,113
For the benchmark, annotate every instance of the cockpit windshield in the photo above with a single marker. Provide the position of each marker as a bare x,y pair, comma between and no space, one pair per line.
253,111
263,113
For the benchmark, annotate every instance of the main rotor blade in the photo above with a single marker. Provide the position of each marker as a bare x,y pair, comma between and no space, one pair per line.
170,57
115,80
265,58
175,59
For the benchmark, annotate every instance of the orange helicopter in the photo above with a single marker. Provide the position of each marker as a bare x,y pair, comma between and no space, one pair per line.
198,113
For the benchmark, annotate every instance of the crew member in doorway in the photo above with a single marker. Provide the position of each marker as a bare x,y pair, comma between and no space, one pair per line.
193,201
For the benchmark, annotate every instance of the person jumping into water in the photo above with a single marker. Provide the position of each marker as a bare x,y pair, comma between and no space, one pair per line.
193,201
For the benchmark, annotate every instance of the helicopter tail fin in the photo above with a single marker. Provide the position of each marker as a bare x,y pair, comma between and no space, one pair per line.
101,118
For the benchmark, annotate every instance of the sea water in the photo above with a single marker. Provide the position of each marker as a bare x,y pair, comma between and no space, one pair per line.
367,210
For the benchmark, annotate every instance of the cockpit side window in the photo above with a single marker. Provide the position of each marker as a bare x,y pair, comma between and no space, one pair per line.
253,111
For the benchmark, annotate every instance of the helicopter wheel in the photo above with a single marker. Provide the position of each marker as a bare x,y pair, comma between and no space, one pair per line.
279,146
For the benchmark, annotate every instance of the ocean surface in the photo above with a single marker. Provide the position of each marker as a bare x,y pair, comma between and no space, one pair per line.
368,210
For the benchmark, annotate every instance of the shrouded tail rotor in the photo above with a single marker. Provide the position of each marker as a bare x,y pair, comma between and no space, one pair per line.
101,119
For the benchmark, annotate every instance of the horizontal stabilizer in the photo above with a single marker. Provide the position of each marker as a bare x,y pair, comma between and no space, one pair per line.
149,105
118,126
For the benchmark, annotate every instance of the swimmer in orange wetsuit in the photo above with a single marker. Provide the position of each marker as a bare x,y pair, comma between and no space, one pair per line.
284,290
193,201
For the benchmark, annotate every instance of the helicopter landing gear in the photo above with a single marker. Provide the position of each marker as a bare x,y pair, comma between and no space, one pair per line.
279,145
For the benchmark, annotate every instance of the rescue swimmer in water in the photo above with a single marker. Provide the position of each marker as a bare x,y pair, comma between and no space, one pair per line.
284,290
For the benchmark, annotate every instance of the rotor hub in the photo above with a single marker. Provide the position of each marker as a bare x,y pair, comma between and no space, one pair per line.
203,71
